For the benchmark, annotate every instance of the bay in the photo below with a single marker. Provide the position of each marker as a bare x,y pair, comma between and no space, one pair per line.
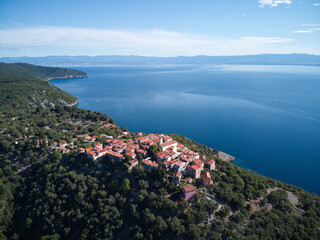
268,117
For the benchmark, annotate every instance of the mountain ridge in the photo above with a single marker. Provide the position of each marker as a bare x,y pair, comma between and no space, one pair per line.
259,59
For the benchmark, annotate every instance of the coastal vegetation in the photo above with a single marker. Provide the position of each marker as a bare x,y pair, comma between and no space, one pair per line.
58,193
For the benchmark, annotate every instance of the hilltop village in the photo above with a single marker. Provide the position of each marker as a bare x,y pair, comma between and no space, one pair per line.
150,151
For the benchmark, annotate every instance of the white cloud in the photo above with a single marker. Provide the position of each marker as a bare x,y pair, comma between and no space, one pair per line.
154,42
311,24
310,30
273,3
302,31
316,4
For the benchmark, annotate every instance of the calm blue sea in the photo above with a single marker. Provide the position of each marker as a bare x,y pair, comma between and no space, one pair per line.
268,117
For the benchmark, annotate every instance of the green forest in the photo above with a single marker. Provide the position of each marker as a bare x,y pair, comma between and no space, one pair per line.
22,86
48,194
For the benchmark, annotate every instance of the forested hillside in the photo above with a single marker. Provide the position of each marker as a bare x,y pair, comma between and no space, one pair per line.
13,70
22,86
51,189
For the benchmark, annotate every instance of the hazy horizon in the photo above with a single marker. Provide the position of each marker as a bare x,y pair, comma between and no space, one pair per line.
154,56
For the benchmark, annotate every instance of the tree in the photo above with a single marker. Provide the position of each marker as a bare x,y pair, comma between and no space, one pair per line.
139,157
183,204
139,169
125,186
161,224
175,226
193,232
127,158
143,184
153,150
56,156
4,145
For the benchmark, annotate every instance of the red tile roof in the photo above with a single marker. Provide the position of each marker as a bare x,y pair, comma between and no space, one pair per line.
195,167
166,144
141,151
206,175
177,174
131,154
189,188
211,162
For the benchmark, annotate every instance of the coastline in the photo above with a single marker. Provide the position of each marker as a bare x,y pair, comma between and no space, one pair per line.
222,155
66,77
226,157
73,104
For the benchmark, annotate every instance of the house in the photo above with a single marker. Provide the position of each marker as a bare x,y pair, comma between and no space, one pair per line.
198,162
63,150
189,192
188,180
167,164
130,149
181,148
191,153
176,178
94,154
179,165
118,149
163,156
98,146
142,152
93,139
81,150
154,166
206,179
114,155
150,165
63,143
195,171
211,164
169,144
131,154
166,138
107,147
90,139
144,146
133,163
186,158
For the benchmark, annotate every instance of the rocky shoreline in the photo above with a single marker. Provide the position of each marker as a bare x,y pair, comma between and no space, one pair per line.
226,157
73,104
67,76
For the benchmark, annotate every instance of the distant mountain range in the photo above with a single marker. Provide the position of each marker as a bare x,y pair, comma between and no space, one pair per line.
262,59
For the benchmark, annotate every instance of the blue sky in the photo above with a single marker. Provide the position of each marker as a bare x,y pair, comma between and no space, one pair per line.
158,28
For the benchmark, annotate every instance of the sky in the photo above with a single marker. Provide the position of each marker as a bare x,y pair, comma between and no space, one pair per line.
158,28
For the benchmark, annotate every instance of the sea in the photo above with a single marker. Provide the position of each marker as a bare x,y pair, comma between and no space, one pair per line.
267,116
